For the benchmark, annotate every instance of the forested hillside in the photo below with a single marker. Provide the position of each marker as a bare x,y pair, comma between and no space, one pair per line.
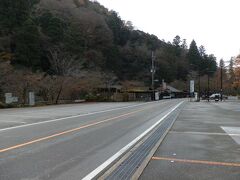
49,41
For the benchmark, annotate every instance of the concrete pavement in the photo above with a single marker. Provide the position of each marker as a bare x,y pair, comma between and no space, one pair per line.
203,144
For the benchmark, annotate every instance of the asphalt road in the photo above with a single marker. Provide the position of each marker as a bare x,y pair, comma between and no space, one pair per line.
70,141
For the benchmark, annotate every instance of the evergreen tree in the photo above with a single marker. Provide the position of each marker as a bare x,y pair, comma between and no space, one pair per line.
52,26
202,51
184,44
120,31
194,56
211,64
28,52
177,41
14,13
231,71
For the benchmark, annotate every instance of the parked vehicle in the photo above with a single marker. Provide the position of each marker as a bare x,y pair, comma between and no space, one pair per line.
217,96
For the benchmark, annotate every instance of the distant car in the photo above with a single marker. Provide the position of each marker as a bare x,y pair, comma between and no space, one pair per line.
166,97
214,96
217,96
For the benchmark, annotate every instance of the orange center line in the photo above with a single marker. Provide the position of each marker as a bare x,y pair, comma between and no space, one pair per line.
198,161
67,132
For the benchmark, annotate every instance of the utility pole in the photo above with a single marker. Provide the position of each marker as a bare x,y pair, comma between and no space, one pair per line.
199,81
199,86
221,90
208,88
153,73
221,78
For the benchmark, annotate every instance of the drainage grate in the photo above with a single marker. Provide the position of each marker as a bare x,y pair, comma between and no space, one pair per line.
128,167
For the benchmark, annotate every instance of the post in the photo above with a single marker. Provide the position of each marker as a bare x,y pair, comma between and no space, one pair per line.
191,89
221,90
208,88
31,98
153,72
199,84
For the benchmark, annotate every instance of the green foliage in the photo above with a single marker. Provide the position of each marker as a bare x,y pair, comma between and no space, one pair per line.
98,39
14,13
27,41
194,57
212,64
120,31
52,26
135,62
231,70
200,61
74,40
177,41
113,60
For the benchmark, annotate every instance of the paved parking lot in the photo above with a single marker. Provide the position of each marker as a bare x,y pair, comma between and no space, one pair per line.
204,143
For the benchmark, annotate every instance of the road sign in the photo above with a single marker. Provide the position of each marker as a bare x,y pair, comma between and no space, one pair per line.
8,98
192,86
31,99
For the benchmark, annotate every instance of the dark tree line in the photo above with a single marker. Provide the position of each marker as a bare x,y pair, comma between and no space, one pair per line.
98,40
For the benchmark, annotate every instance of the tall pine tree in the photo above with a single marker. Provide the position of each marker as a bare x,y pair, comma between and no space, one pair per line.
194,56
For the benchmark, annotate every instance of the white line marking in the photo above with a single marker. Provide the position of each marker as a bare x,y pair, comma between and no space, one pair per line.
24,116
203,133
231,131
104,165
18,122
81,115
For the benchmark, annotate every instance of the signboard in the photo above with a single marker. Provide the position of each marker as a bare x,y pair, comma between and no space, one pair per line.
192,86
15,99
156,96
31,99
10,99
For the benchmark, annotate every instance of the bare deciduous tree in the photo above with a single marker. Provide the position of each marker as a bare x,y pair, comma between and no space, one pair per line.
62,63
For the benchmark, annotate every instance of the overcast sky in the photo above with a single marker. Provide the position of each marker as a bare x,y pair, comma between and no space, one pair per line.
212,23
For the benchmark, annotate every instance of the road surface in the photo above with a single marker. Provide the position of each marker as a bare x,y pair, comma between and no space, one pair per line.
203,144
70,141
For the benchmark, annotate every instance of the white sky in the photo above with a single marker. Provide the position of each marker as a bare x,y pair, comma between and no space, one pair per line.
212,23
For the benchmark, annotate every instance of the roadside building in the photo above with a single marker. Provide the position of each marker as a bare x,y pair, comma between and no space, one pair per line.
167,92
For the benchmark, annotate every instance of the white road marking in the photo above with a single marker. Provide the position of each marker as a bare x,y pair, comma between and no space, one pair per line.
232,130
104,165
13,115
75,116
18,122
203,133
